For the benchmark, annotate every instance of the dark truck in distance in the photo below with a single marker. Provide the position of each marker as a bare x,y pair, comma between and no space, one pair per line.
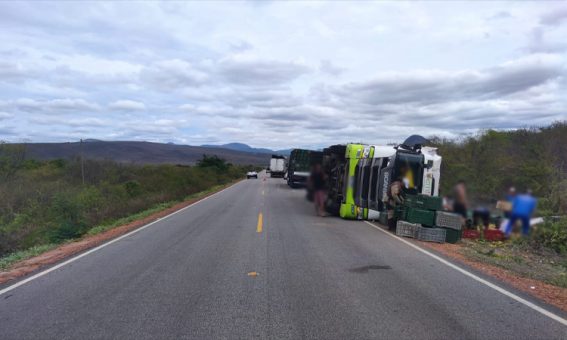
299,166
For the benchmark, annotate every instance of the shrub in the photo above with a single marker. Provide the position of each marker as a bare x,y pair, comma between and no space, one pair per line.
46,202
551,235
213,162
133,188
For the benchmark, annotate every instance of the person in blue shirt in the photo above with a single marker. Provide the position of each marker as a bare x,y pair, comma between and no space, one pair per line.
523,207
510,198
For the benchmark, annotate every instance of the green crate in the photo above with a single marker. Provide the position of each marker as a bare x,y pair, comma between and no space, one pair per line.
421,216
400,212
424,202
452,235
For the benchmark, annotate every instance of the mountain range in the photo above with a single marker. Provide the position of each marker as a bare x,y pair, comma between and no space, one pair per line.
144,152
247,148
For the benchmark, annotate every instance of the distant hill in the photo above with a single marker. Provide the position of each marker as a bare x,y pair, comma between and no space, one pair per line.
247,148
141,152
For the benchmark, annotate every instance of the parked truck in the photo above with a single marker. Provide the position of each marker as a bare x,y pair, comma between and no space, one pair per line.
277,166
299,166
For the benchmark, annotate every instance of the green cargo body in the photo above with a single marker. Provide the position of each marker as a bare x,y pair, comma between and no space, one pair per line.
421,216
424,202
452,235
300,160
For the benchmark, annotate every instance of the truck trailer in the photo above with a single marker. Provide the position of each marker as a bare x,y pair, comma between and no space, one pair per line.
299,166
277,166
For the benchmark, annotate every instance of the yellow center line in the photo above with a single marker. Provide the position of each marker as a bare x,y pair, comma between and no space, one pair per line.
260,223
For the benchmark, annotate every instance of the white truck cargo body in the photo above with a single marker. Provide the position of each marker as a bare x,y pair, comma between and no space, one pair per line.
277,167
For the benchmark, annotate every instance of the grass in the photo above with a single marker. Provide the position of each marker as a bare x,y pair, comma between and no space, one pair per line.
7,261
128,219
143,214
546,265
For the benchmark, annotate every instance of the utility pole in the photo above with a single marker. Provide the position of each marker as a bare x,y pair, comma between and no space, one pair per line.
82,163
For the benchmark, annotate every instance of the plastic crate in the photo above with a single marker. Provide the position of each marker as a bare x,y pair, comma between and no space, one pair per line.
421,216
400,212
448,220
452,235
471,233
407,229
424,202
432,235
493,235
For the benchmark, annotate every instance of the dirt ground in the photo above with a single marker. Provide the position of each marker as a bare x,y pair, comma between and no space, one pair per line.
66,250
522,270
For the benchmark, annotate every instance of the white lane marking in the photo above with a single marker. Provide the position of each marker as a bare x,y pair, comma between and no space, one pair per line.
476,278
47,271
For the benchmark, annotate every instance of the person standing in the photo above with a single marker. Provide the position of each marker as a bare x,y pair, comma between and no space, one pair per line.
523,206
395,199
461,204
510,196
318,182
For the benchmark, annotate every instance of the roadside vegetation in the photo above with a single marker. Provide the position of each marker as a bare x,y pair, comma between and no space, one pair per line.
492,161
520,258
535,159
46,203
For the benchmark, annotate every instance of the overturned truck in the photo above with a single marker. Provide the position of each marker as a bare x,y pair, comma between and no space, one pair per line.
360,175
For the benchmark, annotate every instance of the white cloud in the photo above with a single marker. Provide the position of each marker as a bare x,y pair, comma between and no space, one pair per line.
127,105
172,74
281,74
5,115
54,106
252,71
555,17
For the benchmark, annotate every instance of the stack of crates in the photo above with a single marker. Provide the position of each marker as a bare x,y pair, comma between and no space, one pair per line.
451,223
421,209
427,211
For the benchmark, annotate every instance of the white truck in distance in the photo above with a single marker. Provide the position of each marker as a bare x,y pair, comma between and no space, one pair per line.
277,166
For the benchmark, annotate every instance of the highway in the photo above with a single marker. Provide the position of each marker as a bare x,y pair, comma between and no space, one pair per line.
220,270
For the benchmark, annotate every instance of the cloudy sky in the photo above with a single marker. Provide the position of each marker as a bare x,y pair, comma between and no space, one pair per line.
273,74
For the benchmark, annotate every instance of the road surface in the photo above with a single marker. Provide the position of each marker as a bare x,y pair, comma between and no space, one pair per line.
213,271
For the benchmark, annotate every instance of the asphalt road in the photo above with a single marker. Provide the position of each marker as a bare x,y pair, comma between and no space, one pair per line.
189,276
